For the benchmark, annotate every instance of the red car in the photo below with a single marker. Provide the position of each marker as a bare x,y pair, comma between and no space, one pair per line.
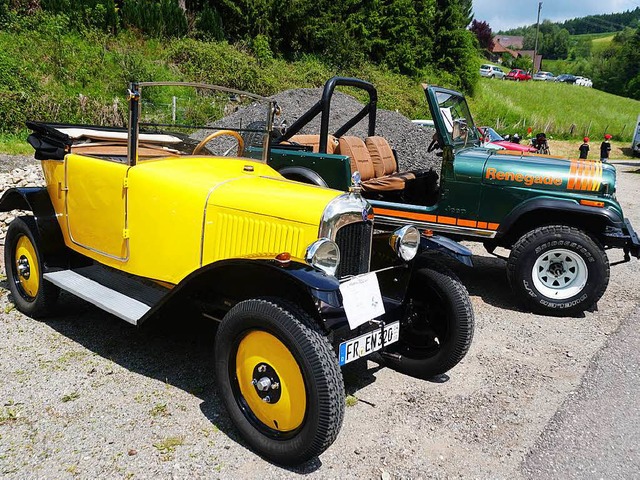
518,75
494,140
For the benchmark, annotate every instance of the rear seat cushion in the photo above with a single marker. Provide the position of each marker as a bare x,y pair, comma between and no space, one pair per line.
355,149
384,162
314,141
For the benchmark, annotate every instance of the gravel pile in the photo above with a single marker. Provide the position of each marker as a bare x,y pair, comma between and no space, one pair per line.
410,141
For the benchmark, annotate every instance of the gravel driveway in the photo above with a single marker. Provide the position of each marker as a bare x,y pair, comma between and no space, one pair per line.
85,395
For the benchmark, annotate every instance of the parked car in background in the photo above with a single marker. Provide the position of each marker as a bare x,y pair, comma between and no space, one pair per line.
546,76
518,75
491,71
492,139
566,78
635,144
584,82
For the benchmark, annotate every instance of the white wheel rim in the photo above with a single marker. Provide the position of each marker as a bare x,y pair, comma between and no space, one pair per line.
560,274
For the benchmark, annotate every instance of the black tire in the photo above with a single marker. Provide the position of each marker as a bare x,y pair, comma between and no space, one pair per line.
250,321
23,262
572,271
438,328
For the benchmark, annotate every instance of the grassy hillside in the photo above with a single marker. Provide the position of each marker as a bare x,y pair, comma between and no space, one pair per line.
49,75
563,110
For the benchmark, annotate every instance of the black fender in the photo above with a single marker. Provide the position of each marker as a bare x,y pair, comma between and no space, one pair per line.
446,246
304,172
36,200
594,219
222,284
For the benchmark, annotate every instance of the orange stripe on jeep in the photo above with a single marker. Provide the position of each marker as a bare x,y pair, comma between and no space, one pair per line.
440,219
410,215
447,220
572,173
467,223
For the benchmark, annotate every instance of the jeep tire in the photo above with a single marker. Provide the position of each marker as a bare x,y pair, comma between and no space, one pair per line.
279,379
558,270
23,262
437,330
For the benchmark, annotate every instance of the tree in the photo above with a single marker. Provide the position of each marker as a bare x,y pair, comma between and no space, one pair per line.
483,33
454,48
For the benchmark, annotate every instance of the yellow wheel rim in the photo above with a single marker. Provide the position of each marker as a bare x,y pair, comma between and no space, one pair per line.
26,261
259,349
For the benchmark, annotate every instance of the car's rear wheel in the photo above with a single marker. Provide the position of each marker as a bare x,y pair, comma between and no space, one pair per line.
280,380
437,330
558,270
23,261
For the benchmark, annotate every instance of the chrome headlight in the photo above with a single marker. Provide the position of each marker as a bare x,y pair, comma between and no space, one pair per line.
405,242
323,254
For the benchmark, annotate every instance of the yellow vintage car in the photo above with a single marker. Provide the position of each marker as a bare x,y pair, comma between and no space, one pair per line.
136,220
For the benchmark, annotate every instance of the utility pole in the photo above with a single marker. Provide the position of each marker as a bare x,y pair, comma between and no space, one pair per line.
535,48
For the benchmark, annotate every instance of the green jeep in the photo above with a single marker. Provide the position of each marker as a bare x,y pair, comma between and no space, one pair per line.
556,215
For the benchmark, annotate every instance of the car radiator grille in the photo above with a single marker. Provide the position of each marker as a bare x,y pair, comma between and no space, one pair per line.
354,241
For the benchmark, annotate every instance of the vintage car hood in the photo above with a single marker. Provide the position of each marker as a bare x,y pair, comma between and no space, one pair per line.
236,184
544,172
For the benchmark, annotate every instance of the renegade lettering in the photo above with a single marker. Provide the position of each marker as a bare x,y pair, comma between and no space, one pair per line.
528,180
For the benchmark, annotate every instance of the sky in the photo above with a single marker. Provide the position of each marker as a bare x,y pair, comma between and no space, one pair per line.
506,14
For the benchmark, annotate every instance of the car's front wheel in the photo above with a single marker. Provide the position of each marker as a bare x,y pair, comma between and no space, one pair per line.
280,380
437,330
558,270
23,261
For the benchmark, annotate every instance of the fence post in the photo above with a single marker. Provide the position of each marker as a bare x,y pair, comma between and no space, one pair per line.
173,109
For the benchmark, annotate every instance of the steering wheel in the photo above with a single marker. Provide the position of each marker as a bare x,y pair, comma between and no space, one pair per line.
435,143
219,133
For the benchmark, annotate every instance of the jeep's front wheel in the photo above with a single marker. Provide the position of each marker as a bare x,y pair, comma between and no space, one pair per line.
280,380
558,270
437,330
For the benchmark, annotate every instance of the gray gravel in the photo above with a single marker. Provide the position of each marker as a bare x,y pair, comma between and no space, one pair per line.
410,141
85,395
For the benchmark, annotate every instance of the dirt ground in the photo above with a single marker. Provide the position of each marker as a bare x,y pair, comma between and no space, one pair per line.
85,395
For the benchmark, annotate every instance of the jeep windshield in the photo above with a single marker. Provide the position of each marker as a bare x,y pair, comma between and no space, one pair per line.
453,117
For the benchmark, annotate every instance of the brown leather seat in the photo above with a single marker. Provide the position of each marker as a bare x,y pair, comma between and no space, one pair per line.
314,142
373,173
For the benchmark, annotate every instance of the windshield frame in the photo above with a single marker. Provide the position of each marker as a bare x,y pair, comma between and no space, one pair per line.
453,119
134,97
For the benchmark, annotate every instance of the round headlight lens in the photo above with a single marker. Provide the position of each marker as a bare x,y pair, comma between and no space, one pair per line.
324,254
405,242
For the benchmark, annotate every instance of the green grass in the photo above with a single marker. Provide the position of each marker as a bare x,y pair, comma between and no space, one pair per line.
594,36
15,144
562,110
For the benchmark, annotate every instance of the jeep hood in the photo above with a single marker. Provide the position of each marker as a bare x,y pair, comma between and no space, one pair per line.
544,172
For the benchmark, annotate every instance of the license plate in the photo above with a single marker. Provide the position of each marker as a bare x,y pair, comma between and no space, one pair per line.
368,343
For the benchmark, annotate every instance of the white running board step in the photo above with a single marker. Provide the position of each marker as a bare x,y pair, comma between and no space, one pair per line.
109,300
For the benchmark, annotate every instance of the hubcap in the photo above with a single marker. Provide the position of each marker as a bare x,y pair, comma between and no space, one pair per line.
270,381
560,274
27,273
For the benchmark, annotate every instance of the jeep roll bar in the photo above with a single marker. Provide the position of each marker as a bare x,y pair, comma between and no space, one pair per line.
323,106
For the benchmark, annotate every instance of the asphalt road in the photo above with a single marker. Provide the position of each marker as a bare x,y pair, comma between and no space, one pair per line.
596,432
